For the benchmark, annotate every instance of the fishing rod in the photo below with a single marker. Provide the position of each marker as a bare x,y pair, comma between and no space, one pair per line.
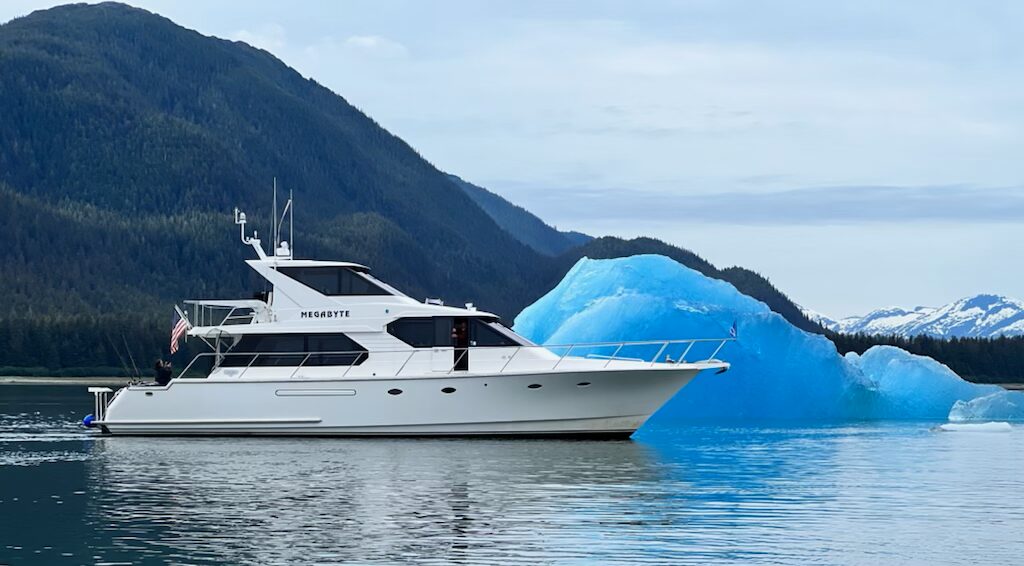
128,351
124,364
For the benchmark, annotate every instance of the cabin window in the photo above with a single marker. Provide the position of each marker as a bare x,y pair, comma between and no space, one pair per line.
291,349
333,281
484,333
423,332
354,354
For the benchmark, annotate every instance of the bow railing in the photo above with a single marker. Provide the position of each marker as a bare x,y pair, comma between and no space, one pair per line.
476,359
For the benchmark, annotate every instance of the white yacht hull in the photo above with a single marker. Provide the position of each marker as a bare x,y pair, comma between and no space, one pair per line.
612,402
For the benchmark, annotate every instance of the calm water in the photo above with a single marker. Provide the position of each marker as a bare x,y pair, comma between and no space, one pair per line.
855,494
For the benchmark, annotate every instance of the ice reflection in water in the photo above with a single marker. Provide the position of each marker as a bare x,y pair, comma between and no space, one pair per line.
856,494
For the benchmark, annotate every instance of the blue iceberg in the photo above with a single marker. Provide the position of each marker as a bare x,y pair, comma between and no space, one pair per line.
778,371
1001,406
905,385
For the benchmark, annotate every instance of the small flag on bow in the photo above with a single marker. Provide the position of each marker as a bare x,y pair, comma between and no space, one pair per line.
732,331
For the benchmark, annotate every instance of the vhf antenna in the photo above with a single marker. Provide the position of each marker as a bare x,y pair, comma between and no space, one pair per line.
274,236
288,212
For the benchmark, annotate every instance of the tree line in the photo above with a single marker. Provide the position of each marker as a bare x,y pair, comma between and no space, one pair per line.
982,360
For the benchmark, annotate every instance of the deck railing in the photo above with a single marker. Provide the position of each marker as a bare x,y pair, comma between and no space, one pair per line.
218,315
649,352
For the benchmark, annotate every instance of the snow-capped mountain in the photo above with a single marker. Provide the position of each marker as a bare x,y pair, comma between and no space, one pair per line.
819,318
883,321
982,316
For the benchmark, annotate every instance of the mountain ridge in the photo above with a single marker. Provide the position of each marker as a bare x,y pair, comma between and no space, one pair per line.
521,223
979,316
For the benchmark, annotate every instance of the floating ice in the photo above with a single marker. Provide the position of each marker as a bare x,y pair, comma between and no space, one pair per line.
975,427
778,371
1002,405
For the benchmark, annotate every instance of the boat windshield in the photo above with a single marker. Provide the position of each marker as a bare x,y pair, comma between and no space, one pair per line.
508,333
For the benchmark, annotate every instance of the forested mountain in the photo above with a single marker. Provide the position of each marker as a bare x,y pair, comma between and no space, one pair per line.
124,123
125,142
521,223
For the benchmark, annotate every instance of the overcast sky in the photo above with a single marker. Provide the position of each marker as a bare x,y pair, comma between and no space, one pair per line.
859,154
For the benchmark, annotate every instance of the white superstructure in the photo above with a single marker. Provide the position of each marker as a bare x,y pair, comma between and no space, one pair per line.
331,350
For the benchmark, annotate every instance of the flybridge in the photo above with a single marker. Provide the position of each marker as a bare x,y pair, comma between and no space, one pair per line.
308,295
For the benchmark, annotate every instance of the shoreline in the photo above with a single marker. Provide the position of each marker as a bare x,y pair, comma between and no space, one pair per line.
83,381
121,381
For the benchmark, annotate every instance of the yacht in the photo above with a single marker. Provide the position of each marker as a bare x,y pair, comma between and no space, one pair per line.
330,350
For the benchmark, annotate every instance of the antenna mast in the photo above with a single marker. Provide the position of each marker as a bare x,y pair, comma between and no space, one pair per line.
283,248
273,215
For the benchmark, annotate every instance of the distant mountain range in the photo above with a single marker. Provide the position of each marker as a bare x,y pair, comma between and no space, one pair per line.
980,316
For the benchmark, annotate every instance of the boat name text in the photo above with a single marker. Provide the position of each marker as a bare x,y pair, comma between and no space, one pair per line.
324,314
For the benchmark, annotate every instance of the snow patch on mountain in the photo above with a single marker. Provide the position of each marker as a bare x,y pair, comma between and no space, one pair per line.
980,316
816,316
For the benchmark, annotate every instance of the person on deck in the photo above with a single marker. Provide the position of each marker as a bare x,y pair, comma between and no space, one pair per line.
162,372
460,339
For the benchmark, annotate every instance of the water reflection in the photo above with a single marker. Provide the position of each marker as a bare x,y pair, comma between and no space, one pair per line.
338,500
681,494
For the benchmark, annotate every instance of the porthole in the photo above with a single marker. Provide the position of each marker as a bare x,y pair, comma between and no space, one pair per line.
534,386
583,384
448,390
394,391
149,394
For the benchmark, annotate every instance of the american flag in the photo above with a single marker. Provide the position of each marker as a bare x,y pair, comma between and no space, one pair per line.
179,326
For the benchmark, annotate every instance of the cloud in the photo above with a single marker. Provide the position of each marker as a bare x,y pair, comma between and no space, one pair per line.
807,206
376,45
269,37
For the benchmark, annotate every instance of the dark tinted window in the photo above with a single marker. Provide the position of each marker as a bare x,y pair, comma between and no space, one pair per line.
482,333
333,281
334,343
423,332
437,331
294,348
416,332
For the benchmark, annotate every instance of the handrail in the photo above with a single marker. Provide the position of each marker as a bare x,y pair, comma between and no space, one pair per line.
464,351
205,315
302,363
612,357
518,349
406,362
654,360
683,357
463,354
565,355
354,363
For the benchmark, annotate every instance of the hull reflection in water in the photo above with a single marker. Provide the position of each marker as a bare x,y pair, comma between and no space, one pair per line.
343,500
